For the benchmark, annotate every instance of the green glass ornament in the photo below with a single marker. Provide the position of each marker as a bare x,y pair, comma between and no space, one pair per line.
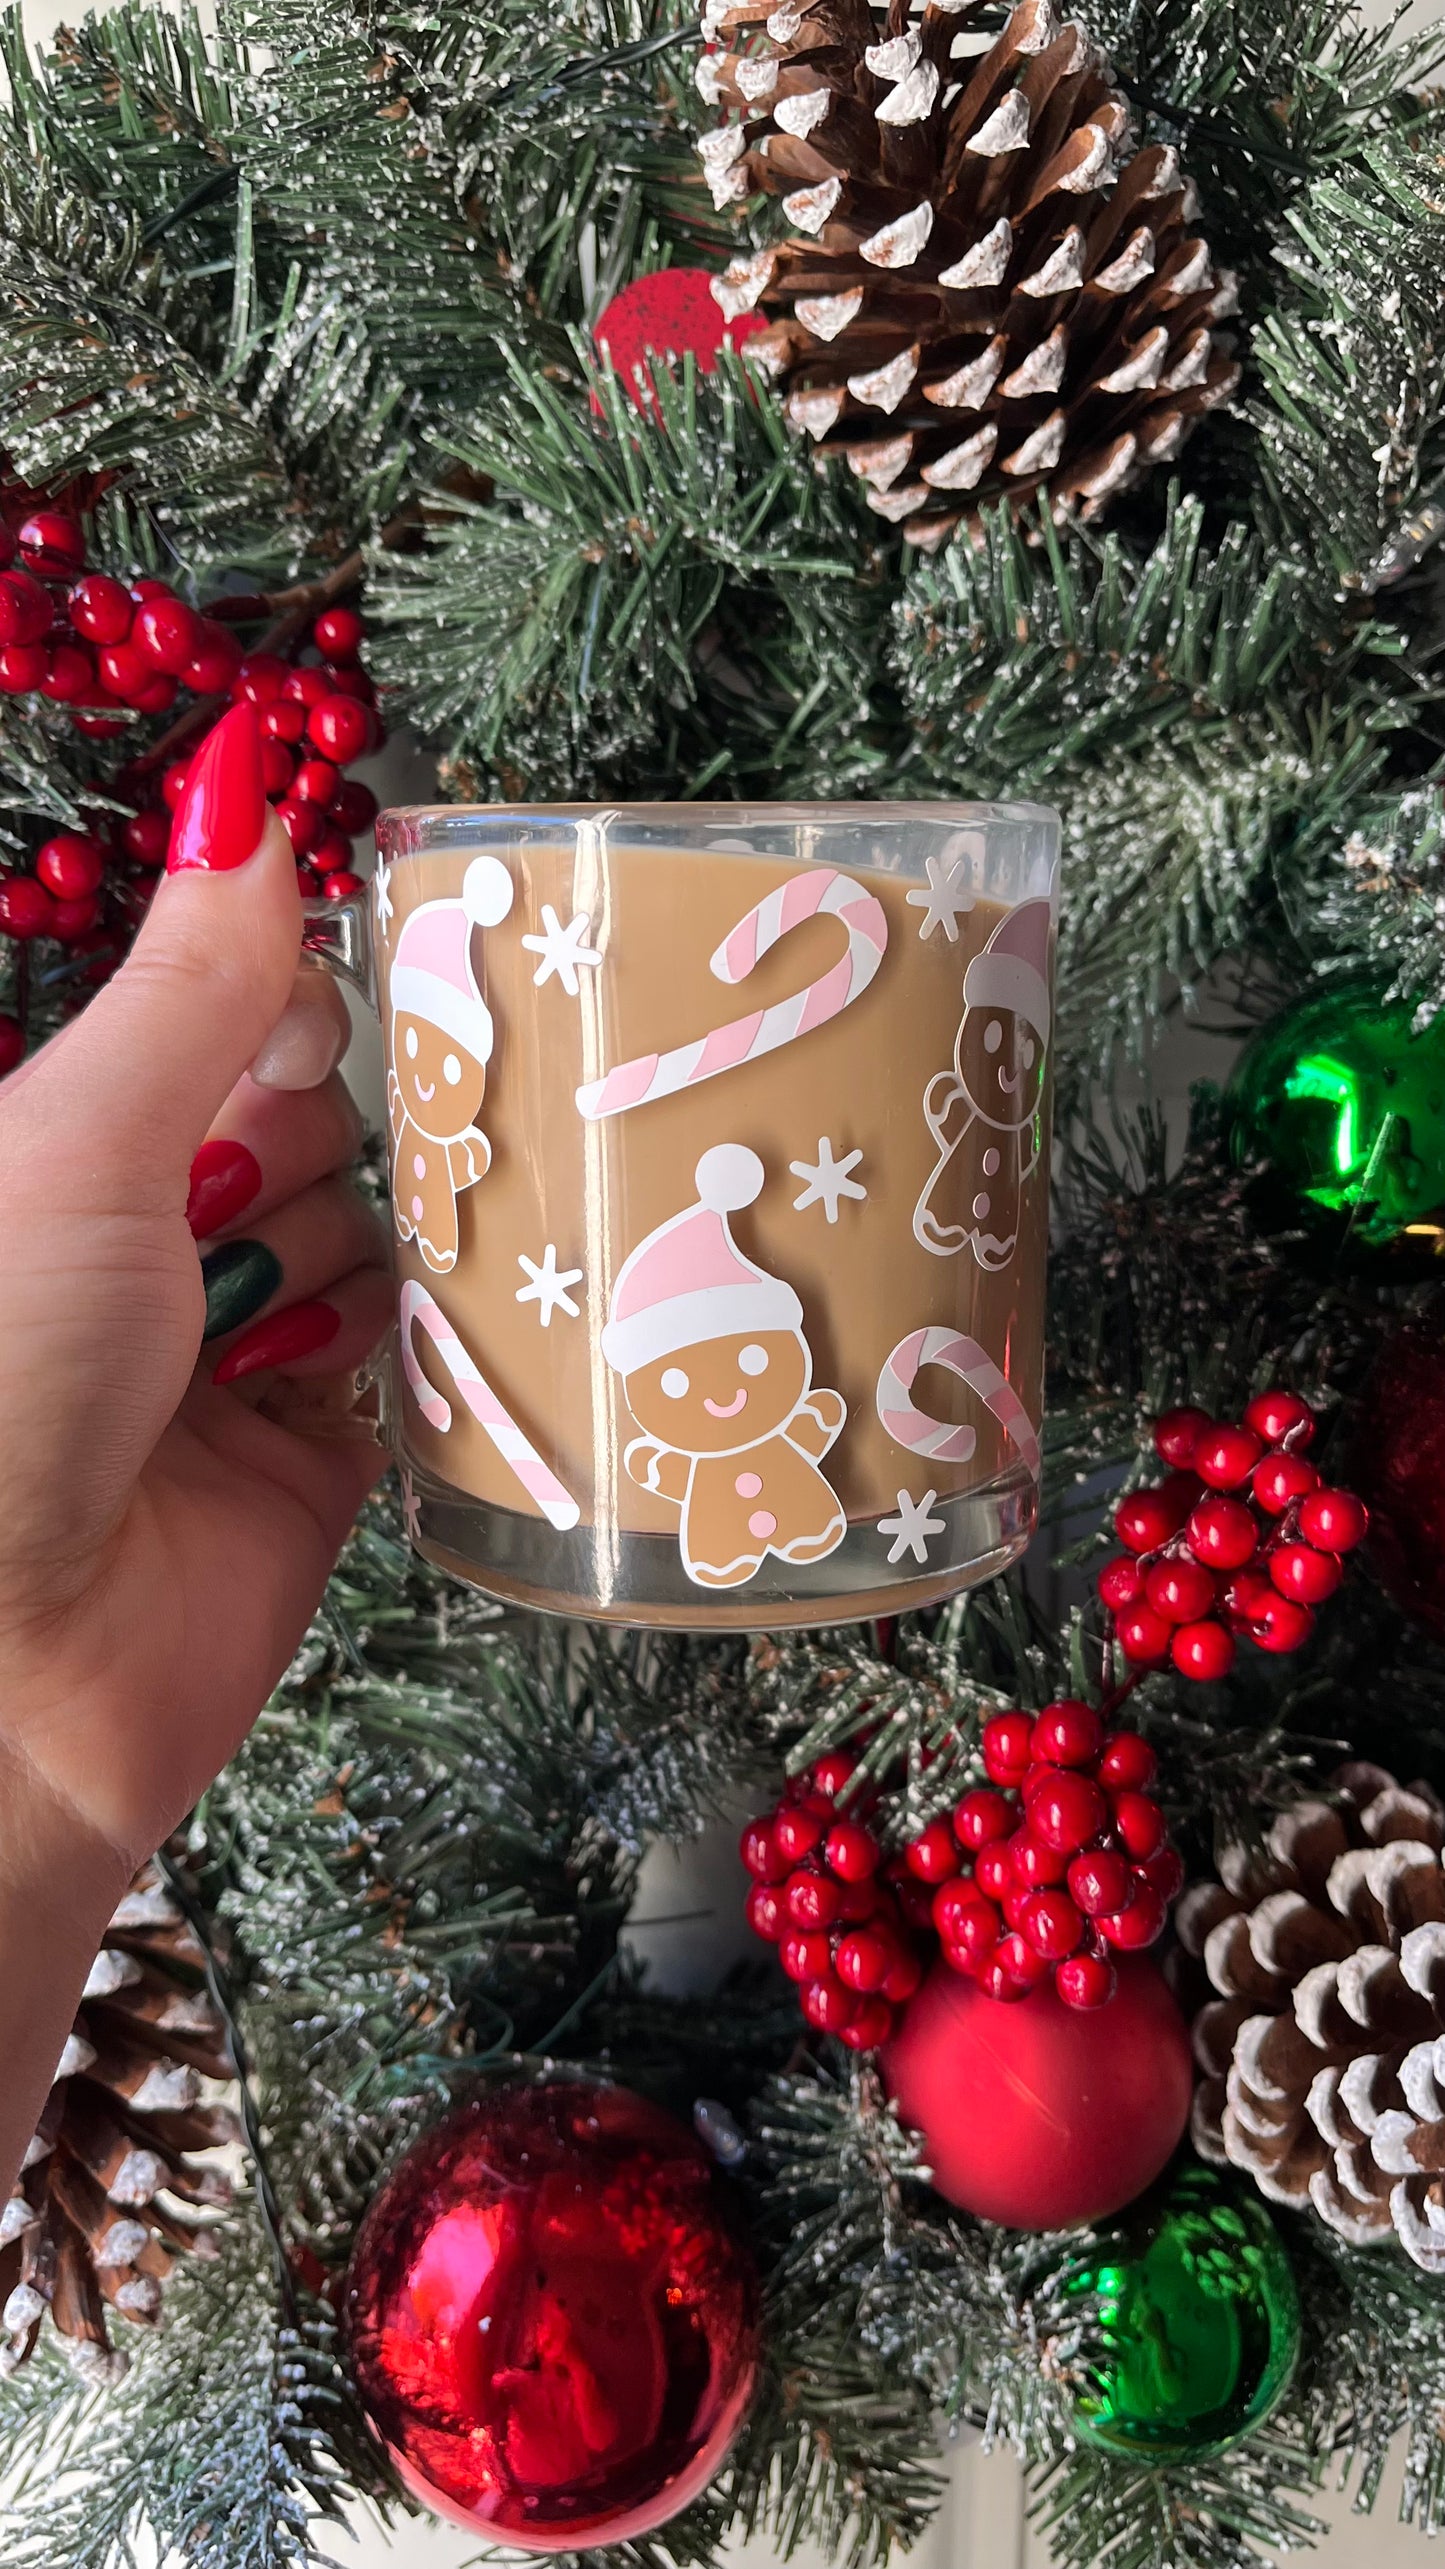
1196,2307
1344,1108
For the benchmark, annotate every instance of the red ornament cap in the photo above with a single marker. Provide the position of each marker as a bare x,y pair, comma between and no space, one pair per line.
551,2323
671,313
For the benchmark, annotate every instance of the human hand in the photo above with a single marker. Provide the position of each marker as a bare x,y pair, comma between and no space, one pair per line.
163,1540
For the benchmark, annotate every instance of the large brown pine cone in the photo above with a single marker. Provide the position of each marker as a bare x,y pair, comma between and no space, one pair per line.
110,2189
982,290
1324,2054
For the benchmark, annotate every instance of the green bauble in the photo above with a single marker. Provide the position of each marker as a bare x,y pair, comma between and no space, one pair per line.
1345,1109
1197,2309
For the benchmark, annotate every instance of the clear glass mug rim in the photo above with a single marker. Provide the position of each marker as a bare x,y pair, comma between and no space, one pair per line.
939,814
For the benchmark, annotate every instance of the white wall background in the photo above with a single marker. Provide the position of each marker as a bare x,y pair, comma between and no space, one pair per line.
695,1901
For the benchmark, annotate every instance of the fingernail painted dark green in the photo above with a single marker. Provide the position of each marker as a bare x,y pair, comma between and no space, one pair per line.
239,1277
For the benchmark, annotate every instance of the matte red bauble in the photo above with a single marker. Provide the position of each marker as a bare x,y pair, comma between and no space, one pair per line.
1042,2115
1399,1464
669,313
552,2324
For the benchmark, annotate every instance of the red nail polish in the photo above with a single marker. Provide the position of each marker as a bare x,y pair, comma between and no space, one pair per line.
225,1178
279,1339
222,812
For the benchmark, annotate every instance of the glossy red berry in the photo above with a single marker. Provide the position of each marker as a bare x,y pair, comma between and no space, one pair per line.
100,608
1067,1733
1280,1479
863,1959
24,608
1333,1520
125,672
905,1973
214,662
173,782
1275,1415
953,1902
797,1830
26,908
1034,1864
7,545
1085,1981
355,807
168,632
1120,1582
1163,1872
333,849
70,866
804,1954
1146,1518
870,2025
1177,1433
982,1817
1067,1812
993,1873
1052,1925
1020,1959
340,729
12,1043
148,588
1179,1588
283,719
812,1899
316,782
157,695
1298,1571
1126,1759
1143,1636
22,668
341,885
51,542
765,1912
764,1859
974,1936
300,821
1203,1652
1100,1880
337,633
1222,1533
350,681
835,1768
260,678
934,1855
1281,1625
1139,1822
997,1981
307,686
69,674
827,2005
147,837
278,766
851,1852
1008,1747
1140,1924
1225,1456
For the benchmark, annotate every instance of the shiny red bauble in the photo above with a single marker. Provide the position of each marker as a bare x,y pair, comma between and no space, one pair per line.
671,313
551,2320
1035,2115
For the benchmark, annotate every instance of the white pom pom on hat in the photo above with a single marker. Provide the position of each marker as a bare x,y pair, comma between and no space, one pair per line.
486,891
728,1177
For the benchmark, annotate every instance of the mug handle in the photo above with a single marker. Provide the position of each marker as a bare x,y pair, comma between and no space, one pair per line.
337,935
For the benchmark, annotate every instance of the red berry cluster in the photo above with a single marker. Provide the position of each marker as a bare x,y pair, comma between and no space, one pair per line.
1059,1861
835,1907
1244,1537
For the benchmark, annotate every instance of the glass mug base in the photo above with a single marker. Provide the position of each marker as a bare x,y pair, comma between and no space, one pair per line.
607,1576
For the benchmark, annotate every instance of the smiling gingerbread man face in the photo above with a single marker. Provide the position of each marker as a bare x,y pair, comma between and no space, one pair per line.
1000,1062
722,1395
440,1083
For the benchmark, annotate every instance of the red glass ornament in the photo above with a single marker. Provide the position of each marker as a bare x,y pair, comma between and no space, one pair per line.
981,1817
70,866
1143,1636
1225,1456
1222,1533
672,313
1067,1811
1086,1981
813,1899
354,811
1280,1479
1203,1652
1333,1520
100,608
551,2321
1275,1415
934,1855
1176,1433
51,543
1027,2115
851,1852
1308,1576
24,608
1120,1582
1007,1743
12,1043
1067,1733
1126,1759
337,633
340,729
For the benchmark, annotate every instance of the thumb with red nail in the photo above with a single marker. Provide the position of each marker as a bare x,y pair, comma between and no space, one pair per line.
188,1287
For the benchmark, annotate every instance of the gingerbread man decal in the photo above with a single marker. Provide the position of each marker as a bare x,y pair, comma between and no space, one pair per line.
718,1375
984,1113
441,1043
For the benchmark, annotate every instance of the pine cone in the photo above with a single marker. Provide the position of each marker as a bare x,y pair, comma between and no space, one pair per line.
108,2189
1324,2055
982,291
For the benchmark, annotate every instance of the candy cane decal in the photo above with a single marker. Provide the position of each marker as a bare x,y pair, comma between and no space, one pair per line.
539,1482
817,893
937,1438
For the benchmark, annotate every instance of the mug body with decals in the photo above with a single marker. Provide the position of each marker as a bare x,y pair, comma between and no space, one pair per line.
719,1188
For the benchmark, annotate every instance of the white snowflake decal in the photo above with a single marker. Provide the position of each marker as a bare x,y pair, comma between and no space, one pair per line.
383,897
410,1506
827,1180
562,950
946,897
548,1288
912,1526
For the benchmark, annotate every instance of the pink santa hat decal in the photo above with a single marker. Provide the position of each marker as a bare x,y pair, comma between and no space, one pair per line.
1012,970
688,1281
432,977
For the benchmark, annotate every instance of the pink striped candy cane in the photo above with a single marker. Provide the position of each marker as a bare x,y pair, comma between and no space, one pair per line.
817,893
539,1482
909,1425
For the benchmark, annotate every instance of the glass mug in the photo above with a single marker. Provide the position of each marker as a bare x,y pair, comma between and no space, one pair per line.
714,1311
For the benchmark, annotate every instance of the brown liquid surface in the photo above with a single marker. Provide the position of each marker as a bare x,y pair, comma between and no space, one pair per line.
593,1190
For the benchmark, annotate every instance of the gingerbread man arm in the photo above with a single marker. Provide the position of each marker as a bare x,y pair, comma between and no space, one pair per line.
817,1422
942,1098
469,1157
396,1112
650,1465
